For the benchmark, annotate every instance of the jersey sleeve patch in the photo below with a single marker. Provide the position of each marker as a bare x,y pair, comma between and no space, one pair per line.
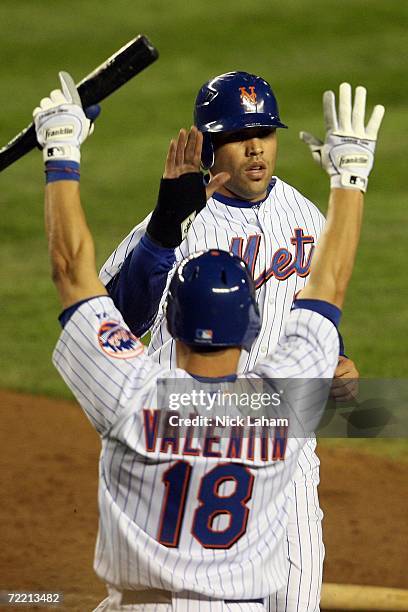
117,341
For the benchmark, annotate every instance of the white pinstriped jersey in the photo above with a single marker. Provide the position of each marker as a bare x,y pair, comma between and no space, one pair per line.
144,540
275,237
221,224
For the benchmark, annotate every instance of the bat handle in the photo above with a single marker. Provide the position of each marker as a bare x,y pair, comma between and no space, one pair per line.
27,140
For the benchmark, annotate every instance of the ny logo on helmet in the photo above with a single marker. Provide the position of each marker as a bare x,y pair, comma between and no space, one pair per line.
248,99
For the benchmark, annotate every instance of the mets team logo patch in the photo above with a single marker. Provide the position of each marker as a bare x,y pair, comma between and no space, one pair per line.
117,341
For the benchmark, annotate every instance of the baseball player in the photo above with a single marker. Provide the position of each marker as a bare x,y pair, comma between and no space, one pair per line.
275,229
185,525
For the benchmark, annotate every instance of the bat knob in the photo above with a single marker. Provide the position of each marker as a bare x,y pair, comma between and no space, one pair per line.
93,112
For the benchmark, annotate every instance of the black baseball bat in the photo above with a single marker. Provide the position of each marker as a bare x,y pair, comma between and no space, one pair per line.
117,70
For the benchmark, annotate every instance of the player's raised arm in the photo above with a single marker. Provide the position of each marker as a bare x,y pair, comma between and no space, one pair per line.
61,127
347,155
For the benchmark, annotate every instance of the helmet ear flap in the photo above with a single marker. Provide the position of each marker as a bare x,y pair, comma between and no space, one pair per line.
207,152
254,326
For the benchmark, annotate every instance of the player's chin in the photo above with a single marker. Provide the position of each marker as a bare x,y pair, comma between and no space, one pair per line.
256,188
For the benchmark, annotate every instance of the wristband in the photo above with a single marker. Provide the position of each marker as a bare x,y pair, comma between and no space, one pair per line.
325,309
60,170
179,201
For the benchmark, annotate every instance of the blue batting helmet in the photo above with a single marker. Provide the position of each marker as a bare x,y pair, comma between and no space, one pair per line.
231,102
211,301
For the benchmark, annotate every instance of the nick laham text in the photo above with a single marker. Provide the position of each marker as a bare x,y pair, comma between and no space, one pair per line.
226,421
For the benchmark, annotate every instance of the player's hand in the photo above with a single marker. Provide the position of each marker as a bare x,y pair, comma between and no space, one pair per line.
61,123
345,383
347,154
184,156
182,192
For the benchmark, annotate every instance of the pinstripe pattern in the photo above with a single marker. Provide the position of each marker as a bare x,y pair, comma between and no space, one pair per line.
131,488
275,219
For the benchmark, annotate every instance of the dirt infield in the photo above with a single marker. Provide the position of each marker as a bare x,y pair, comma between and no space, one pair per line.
48,511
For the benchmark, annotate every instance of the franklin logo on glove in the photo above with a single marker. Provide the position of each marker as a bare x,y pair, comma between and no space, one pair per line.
63,130
353,160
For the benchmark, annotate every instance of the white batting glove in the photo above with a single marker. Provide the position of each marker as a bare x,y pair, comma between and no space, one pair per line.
347,154
60,122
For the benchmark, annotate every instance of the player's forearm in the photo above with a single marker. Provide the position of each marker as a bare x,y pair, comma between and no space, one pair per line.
61,127
71,245
335,253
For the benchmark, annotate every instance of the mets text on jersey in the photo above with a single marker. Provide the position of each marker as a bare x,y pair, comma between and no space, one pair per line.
283,263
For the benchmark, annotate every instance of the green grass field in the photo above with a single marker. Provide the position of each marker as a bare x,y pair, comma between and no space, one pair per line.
301,47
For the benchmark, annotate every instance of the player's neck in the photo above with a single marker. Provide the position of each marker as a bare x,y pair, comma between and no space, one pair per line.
211,365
